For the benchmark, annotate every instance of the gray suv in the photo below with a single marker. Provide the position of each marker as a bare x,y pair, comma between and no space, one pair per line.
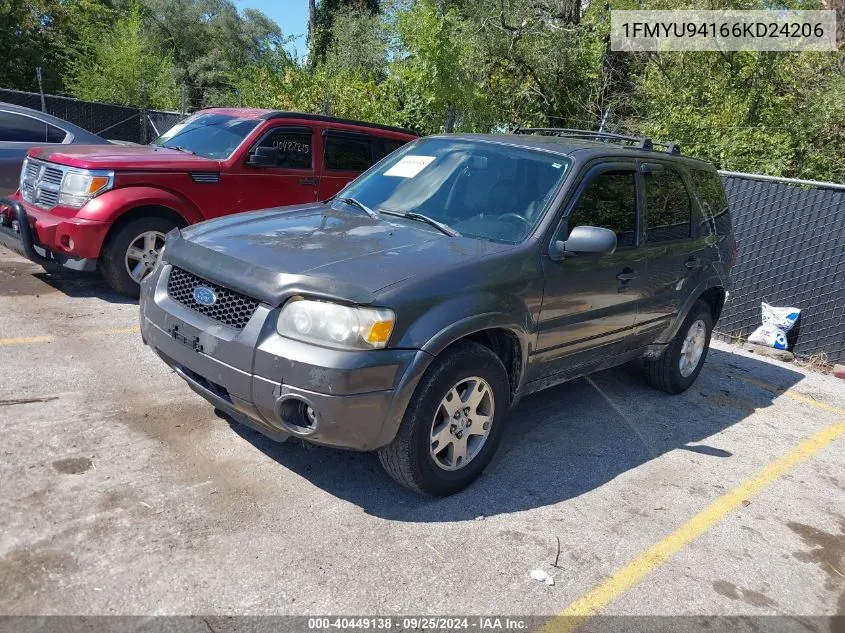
408,314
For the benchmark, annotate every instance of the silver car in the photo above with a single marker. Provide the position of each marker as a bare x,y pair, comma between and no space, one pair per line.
22,128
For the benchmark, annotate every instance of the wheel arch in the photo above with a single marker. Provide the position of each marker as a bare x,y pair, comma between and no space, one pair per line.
145,210
712,292
496,331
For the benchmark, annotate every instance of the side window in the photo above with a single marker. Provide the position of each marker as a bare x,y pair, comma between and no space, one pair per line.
293,147
55,134
711,195
16,128
348,153
668,207
391,145
610,202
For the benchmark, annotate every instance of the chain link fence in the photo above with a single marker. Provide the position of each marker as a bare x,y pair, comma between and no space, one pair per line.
791,238
115,122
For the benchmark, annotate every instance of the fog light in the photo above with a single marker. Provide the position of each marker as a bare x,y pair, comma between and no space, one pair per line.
69,244
311,415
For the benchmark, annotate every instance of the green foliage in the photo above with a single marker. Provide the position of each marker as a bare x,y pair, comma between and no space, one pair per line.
466,65
359,44
210,41
771,113
46,34
122,68
327,12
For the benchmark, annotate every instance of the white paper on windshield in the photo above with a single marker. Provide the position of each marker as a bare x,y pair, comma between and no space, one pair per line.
409,166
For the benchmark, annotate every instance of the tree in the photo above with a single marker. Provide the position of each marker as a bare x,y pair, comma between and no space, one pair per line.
209,41
321,36
121,67
46,34
359,44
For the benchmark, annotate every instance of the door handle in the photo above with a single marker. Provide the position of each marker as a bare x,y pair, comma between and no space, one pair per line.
309,181
693,262
627,274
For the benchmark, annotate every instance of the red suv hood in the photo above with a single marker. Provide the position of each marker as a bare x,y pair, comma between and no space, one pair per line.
124,157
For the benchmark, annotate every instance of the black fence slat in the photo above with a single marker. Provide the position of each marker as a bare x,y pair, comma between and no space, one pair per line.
114,122
791,253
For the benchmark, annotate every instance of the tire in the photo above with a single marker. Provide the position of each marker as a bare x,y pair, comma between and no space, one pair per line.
665,371
409,459
113,263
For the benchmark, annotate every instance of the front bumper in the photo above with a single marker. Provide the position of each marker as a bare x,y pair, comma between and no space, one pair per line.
264,380
46,239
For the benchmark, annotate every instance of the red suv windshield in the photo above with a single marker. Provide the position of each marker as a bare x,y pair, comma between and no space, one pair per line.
211,135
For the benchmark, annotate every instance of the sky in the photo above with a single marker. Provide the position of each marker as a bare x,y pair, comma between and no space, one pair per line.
290,15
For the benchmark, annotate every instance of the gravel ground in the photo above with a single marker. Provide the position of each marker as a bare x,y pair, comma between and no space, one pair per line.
124,494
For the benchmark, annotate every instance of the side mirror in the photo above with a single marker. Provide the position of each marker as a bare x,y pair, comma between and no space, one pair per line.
263,157
585,239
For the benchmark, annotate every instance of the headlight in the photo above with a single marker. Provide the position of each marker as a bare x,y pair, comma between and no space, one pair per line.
24,167
335,325
80,185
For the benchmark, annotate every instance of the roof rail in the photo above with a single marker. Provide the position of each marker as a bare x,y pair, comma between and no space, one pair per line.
639,142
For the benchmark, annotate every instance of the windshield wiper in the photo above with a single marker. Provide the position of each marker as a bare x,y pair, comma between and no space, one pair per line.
413,215
179,148
360,205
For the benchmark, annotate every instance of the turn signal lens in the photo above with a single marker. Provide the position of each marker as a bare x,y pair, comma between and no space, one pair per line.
380,332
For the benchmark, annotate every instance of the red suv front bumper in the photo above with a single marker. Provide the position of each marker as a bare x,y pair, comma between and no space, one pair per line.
49,239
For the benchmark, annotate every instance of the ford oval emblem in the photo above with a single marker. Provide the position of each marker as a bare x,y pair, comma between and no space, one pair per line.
205,296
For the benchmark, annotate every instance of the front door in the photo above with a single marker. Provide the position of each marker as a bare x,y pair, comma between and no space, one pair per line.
590,300
292,180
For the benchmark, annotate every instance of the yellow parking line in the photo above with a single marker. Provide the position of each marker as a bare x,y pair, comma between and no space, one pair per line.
25,340
29,340
647,561
794,395
135,329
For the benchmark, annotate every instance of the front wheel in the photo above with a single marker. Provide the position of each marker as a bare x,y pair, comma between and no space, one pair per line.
453,424
681,362
130,254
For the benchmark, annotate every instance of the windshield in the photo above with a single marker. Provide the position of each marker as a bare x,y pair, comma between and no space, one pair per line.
209,135
480,189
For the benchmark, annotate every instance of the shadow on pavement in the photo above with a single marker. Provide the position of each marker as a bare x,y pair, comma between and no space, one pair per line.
21,278
560,443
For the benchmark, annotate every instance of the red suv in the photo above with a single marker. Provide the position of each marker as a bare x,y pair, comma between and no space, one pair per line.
109,207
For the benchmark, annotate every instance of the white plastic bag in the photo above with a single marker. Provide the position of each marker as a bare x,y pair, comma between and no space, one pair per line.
776,323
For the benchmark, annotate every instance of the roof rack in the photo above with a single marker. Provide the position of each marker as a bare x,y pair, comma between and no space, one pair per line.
639,142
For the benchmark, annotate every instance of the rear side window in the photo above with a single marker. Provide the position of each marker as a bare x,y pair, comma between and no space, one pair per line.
16,128
349,153
711,195
293,147
390,145
610,202
55,134
668,206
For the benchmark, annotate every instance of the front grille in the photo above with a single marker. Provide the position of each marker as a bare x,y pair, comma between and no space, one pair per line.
48,198
52,175
231,308
41,183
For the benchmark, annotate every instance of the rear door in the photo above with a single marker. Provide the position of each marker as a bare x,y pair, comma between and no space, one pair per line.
590,300
676,245
292,180
345,156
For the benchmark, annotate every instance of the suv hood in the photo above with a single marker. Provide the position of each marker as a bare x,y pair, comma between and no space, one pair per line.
124,157
272,255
